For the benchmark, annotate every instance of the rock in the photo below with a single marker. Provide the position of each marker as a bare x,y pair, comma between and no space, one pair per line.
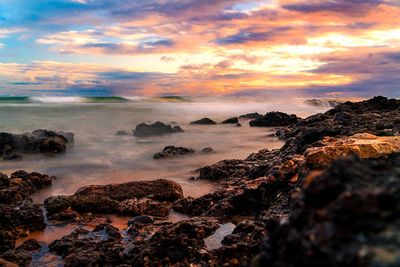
204,121
143,219
57,203
102,246
121,133
223,169
143,206
273,119
363,145
238,125
345,217
39,141
173,151
157,128
233,120
22,255
253,115
12,156
207,150
133,198
21,184
179,244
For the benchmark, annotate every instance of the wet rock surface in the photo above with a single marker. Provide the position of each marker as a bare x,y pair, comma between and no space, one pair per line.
133,198
18,214
173,151
204,121
157,128
12,146
347,216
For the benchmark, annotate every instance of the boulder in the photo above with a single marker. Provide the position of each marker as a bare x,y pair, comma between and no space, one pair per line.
233,120
363,145
143,206
207,150
173,151
204,121
157,128
274,119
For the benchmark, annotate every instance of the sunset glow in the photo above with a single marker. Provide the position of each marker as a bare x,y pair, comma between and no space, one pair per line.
199,47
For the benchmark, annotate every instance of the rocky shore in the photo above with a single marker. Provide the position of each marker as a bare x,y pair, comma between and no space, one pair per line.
329,197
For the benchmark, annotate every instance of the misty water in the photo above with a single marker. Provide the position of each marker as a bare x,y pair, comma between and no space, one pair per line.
99,156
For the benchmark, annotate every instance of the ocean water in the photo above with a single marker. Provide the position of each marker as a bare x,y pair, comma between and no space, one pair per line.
99,156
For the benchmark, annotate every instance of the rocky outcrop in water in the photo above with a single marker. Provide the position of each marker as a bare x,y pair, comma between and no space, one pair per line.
173,152
133,198
233,120
204,121
251,116
273,119
40,141
157,128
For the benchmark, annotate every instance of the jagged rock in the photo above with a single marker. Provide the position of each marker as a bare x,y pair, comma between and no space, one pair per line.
21,184
133,198
223,169
157,128
322,102
143,206
39,141
181,244
363,145
173,151
102,246
273,119
22,255
233,120
345,217
204,121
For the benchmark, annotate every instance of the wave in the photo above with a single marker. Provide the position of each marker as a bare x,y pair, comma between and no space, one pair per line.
68,99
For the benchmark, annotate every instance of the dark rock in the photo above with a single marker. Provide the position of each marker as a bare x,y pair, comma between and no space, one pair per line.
133,198
340,218
204,121
233,120
157,128
39,141
238,125
173,151
100,247
253,115
143,219
274,119
223,169
143,206
22,255
57,203
179,244
121,133
207,150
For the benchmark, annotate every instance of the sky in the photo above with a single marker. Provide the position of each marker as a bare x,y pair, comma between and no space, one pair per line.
319,48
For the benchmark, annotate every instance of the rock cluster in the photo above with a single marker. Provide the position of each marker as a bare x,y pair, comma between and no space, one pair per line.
133,198
173,151
157,128
19,214
39,141
273,119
